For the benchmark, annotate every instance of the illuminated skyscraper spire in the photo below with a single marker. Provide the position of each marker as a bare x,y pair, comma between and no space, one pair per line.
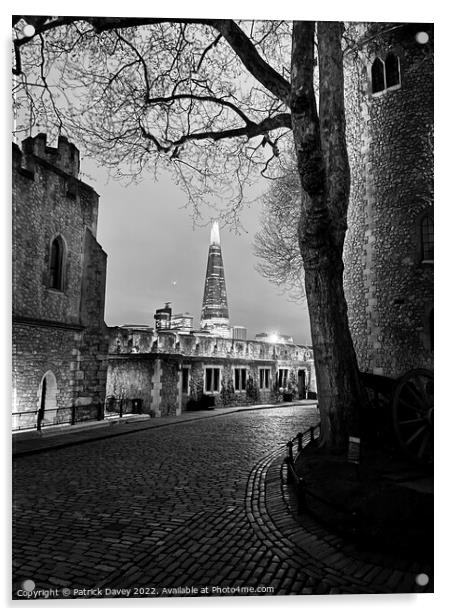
215,313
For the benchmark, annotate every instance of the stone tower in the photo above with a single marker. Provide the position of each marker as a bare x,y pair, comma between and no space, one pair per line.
215,313
388,252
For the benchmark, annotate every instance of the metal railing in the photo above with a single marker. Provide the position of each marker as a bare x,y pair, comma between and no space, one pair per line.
66,415
301,440
74,414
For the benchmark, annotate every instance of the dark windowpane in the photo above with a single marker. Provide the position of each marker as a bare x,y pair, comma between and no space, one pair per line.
56,264
216,380
208,379
236,379
427,238
378,76
243,383
392,70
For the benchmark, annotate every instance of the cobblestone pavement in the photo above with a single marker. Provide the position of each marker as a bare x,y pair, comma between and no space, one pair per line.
188,508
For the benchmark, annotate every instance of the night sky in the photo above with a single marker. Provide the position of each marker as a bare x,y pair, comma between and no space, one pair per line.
155,255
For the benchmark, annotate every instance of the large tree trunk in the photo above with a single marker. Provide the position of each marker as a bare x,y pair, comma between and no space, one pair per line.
325,177
340,396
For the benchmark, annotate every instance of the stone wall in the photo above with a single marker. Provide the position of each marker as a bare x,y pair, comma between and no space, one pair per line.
131,379
56,330
124,340
390,137
148,365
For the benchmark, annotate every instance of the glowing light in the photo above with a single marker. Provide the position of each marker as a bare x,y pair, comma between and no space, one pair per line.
215,233
422,38
274,337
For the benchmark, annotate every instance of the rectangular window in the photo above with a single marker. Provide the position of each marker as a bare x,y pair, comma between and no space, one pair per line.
283,374
185,380
212,380
264,378
240,379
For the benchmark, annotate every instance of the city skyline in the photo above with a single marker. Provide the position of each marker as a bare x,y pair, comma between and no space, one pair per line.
157,255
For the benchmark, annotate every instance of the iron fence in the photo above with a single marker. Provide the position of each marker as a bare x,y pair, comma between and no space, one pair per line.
301,440
75,414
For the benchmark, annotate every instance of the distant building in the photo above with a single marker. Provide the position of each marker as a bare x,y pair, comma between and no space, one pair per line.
182,322
176,369
215,312
59,337
171,372
162,317
239,332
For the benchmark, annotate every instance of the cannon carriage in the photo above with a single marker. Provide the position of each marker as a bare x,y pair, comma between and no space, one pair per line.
403,408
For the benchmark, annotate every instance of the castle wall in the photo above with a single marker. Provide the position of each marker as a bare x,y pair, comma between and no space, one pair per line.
389,287
149,365
56,330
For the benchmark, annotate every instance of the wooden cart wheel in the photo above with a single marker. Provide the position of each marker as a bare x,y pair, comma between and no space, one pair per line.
412,412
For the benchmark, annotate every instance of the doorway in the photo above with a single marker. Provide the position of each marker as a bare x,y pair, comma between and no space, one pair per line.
302,384
46,396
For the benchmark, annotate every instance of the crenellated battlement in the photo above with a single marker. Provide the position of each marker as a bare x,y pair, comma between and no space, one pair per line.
131,341
65,157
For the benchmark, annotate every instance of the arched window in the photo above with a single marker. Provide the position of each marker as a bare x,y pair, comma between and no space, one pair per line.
57,251
378,76
392,70
427,238
385,75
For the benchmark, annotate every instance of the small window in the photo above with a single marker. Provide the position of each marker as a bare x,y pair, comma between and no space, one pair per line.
378,76
427,238
392,70
264,378
283,375
240,379
56,264
385,75
212,380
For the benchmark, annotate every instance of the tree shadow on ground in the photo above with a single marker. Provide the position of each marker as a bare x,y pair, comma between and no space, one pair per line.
383,503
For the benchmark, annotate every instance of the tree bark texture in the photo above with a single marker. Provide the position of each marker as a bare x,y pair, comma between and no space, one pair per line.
324,172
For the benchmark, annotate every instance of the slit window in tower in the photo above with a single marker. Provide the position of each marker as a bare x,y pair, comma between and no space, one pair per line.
56,264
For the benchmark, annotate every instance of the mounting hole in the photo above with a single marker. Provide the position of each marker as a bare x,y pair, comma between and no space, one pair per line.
422,579
422,38
28,585
28,30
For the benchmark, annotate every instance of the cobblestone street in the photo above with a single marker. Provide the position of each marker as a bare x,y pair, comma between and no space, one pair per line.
190,505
